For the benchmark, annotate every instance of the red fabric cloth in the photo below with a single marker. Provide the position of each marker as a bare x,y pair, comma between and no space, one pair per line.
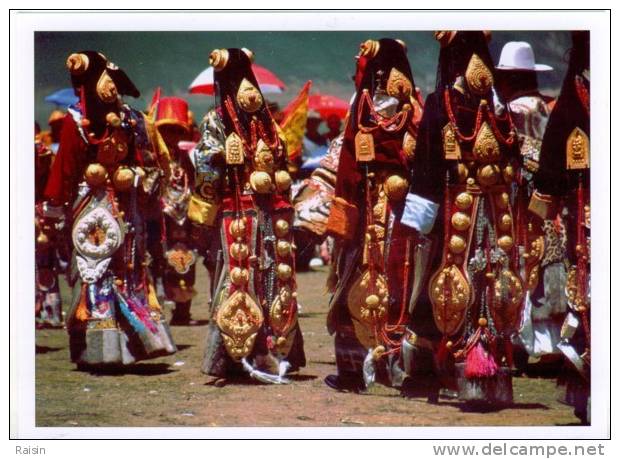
68,165
388,153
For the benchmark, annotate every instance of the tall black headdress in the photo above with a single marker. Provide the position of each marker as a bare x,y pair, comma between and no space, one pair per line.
91,75
232,66
572,110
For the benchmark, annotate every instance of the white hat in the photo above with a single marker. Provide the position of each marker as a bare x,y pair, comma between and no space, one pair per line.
519,55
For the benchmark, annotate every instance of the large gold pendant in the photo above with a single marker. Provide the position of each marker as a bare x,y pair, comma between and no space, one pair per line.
398,85
234,149
239,318
478,76
367,303
451,147
506,309
486,146
577,150
282,316
263,159
450,295
364,147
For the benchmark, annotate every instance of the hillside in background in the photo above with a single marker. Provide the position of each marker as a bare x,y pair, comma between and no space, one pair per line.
173,59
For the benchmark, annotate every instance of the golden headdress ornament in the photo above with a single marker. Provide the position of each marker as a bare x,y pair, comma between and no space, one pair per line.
369,48
77,63
218,59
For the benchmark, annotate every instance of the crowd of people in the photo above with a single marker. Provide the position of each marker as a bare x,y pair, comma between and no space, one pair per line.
456,227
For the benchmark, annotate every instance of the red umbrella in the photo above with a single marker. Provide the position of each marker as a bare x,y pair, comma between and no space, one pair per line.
268,82
327,105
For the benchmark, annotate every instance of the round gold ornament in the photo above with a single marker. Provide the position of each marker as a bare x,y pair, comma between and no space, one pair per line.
283,248
396,187
239,250
505,222
260,182
123,178
457,244
284,271
505,243
239,276
488,175
237,228
460,221
283,181
508,174
281,228
95,174
464,201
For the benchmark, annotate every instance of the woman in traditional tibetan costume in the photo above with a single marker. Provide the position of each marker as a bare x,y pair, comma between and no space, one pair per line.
462,174
563,181
48,307
115,318
242,190
178,258
373,251
542,247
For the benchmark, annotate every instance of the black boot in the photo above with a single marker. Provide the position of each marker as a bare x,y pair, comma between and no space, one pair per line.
346,383
181,314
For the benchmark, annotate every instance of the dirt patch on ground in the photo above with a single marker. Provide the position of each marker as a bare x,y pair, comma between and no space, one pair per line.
171,391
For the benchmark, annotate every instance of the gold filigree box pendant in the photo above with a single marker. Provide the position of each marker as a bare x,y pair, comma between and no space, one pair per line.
451,147
234,149
486,146
364,147
478,76
577,150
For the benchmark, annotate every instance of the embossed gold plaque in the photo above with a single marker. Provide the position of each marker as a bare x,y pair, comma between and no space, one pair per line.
451,147
364,147
234,149
577,150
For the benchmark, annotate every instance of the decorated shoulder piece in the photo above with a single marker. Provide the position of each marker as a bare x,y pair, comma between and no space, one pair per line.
208,162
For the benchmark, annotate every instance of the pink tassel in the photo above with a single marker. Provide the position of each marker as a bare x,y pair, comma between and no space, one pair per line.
142,313
480,363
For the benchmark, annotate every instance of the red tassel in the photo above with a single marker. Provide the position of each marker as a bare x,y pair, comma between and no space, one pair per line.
480,363
442,352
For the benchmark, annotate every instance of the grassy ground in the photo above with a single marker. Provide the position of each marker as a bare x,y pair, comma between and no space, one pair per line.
171,391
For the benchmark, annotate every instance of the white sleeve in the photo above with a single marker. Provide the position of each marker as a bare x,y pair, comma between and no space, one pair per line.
419,213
